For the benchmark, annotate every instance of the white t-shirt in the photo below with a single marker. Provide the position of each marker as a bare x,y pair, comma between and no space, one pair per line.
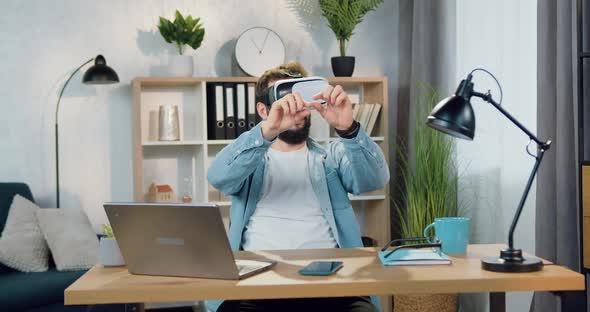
288,215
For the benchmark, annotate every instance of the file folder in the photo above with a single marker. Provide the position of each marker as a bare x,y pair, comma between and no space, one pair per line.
240,100
230,117
215,112
252,120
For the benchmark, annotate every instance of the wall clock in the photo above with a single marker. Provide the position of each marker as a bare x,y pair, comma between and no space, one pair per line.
259,49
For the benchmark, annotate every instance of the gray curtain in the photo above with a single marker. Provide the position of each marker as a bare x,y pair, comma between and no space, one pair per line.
426,53
556,227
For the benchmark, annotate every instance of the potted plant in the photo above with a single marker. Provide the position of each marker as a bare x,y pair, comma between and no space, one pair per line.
109,252
182,32
343,16
428,191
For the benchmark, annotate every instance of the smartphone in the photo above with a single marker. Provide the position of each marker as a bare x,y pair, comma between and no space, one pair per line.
321,268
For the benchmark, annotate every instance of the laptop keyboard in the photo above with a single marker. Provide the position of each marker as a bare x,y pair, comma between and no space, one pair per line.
243,269
248,266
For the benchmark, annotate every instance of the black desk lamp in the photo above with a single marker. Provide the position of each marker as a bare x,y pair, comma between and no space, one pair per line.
454,116
99,73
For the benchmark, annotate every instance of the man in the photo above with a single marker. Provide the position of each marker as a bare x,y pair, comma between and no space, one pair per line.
288,192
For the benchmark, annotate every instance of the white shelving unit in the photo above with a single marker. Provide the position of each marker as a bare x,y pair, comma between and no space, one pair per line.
183,164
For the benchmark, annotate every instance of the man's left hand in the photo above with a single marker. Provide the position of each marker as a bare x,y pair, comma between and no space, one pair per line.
338,109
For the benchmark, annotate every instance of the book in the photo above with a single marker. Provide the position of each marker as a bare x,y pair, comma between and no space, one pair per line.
355,111
365,115
423,256
373,118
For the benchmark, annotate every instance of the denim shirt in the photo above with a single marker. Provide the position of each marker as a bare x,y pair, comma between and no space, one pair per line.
354,166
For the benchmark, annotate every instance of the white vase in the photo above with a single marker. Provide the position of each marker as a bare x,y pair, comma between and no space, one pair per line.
109,253
180,65
169,129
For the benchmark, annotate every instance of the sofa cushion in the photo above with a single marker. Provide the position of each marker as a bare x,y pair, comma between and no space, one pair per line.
70,237
7,192
22,245
20,291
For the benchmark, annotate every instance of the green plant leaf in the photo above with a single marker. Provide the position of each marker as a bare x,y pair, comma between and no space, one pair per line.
344,15
182,31
164,29
189,22
197,38
107,230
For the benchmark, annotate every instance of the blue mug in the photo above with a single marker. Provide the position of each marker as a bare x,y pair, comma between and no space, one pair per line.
452,232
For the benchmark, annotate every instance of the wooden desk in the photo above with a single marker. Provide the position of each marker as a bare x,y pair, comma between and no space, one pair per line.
362,274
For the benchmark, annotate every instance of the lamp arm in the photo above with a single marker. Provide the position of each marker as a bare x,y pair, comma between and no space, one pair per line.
488,98
527,188
64,87
542,147
57,131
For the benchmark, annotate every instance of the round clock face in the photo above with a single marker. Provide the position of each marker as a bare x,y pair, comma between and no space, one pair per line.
259,49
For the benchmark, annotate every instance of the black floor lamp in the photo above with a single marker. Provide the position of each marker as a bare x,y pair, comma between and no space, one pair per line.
454,116
99,73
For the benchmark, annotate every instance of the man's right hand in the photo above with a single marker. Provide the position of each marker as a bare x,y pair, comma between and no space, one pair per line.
284,114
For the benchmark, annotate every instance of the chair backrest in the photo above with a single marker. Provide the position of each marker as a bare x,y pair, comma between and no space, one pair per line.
7,192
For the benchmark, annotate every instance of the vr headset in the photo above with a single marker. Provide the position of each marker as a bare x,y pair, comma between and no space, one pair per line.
306,87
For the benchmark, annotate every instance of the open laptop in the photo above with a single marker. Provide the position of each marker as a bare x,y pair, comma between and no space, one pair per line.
186,240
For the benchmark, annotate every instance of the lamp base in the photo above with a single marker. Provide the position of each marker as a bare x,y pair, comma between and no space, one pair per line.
511,261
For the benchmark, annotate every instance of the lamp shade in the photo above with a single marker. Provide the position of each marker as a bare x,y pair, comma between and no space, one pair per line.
100,73
453,116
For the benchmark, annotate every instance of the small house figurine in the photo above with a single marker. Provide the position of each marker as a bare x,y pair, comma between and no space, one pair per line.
161,193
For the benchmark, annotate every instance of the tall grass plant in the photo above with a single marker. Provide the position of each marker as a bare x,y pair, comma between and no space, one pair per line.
429,173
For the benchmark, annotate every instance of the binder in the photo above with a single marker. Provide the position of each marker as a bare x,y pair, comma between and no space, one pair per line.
252,115
240,100
215,112
230,117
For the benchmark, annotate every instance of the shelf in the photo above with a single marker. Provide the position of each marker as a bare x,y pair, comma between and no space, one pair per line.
222,203
366,197
584,55
226,142
168,143
376,139
219,142
350,196
187,81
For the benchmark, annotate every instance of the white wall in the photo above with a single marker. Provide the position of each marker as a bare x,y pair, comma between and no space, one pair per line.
501,37
43,41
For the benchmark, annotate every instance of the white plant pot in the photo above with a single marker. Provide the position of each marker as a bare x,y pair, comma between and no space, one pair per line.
180,65
109,253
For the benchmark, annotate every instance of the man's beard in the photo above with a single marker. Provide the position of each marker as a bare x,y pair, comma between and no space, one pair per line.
297,136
